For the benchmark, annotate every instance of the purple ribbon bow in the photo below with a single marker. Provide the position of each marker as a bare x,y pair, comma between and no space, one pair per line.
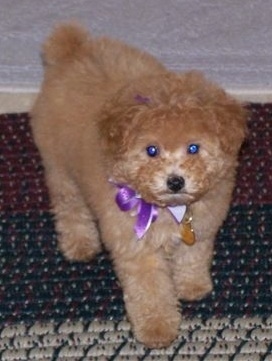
147,213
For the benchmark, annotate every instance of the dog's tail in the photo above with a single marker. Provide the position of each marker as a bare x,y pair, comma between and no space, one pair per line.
67,42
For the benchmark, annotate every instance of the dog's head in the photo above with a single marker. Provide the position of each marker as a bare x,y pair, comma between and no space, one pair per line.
172,138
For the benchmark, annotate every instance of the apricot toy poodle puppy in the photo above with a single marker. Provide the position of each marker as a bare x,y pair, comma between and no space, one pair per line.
141,159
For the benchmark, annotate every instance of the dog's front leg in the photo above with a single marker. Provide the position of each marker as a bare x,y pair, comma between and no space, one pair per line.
149,296
191,270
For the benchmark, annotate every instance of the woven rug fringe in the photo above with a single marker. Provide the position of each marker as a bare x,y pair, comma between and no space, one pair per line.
212,339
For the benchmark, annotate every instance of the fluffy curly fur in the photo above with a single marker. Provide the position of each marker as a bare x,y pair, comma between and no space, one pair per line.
101,104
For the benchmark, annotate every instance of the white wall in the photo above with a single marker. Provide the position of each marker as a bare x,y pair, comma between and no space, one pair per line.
229,40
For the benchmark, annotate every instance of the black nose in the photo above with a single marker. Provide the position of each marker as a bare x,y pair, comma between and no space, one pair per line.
175,183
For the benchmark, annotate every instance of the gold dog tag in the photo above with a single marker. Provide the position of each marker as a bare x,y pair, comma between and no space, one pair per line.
187,233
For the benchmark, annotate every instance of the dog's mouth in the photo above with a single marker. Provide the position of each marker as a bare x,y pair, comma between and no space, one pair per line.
173,200
167,198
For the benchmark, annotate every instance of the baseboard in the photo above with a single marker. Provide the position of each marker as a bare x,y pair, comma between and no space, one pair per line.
16,101
252,96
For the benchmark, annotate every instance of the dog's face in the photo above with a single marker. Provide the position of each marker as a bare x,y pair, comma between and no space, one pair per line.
169,161
173,155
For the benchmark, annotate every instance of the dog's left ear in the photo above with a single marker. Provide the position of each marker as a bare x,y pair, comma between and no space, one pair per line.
230,123
229,115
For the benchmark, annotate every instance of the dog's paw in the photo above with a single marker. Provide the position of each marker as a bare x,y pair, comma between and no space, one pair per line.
81,249
157,332
194,290
78,241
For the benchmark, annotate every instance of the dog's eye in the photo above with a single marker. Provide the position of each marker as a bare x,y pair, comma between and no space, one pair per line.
152,150
193,149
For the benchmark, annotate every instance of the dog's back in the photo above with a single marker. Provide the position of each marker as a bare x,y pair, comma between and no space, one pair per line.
80,74
107,57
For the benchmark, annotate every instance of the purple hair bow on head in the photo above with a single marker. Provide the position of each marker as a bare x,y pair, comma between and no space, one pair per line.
147,213
142,99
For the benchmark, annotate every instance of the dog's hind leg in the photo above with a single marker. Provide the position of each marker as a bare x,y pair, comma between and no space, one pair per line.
78,236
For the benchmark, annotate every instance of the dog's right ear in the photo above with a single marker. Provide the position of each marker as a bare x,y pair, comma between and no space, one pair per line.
119,119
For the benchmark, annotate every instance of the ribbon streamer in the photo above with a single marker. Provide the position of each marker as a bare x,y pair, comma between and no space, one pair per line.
147,213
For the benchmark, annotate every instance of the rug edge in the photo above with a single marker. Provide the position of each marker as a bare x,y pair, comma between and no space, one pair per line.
218,337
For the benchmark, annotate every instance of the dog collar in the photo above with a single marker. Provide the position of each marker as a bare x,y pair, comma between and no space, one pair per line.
147,213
